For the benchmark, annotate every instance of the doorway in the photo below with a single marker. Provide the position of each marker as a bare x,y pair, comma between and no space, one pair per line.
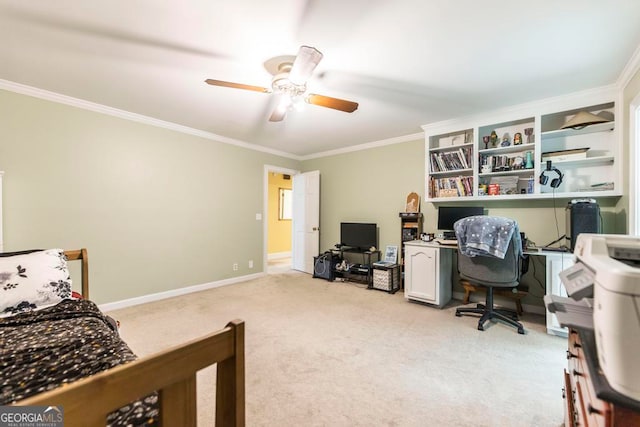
277,239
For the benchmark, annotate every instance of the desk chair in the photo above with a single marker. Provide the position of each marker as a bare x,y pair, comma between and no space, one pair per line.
515,294
487,269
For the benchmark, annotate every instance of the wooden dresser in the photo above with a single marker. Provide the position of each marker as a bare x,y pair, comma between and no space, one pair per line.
589,400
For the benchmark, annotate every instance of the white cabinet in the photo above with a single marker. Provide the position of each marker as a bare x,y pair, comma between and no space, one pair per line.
513,145
556,262
427,276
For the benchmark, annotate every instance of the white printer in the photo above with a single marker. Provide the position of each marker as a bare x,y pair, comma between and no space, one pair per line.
610,265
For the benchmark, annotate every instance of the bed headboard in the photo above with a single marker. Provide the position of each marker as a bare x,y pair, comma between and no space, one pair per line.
81,255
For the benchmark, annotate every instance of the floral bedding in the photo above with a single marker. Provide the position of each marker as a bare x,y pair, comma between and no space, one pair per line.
41,350
32,280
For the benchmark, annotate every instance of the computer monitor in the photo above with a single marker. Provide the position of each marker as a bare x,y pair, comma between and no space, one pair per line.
448,215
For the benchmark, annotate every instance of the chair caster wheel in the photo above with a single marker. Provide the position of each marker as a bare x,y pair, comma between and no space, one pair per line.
521,331
480,328
458,314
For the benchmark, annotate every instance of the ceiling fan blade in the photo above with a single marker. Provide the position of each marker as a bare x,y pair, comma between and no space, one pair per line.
304,64
277,115
282,106
335,103
237,85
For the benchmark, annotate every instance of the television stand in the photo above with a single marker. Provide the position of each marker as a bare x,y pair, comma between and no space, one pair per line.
359,272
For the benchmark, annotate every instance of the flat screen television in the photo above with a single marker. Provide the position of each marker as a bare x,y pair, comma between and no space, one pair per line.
448,215
358,235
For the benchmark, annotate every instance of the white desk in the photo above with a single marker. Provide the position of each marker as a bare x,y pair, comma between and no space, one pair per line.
428,272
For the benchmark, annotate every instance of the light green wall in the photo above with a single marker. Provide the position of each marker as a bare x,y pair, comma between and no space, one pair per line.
156,209
372,186
628,94
368,186
160,210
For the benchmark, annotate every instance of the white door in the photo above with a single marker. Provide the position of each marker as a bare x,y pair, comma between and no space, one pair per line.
306,220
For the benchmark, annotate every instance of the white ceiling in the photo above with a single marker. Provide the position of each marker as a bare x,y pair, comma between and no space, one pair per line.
406,62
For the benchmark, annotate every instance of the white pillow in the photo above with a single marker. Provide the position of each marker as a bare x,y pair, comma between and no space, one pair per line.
33,280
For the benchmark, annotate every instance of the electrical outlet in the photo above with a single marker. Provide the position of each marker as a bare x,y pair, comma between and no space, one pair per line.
235,266
250,263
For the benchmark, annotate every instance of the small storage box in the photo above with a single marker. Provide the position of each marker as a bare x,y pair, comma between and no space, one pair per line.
386,278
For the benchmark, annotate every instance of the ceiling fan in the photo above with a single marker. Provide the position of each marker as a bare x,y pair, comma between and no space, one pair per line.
289,82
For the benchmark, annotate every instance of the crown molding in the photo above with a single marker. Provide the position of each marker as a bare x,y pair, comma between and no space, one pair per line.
629,70
103,109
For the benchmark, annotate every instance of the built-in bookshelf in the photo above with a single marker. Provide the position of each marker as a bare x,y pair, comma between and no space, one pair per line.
501,155
450,162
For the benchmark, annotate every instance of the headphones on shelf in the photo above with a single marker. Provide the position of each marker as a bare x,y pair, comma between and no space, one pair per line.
544,178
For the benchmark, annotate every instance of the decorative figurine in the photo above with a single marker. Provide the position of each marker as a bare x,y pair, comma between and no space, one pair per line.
413,202
518,161
529,160
494,139
517,138
506,141
528,132
485,139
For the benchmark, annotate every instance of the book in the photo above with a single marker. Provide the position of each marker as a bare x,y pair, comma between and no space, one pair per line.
563,155
384,264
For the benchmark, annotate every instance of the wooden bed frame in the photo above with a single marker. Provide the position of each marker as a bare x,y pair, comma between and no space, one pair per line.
171,372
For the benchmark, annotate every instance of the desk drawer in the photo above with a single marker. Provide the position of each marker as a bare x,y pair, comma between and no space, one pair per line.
591,410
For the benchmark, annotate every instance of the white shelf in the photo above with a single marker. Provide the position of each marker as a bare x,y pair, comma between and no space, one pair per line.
511,172
561,133
535,196
452,172
450,147
587,161
507,149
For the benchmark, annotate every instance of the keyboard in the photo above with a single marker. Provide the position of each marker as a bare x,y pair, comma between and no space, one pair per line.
447,241
553,249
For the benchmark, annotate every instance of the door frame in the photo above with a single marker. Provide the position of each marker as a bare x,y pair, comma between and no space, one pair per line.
633,222
265,209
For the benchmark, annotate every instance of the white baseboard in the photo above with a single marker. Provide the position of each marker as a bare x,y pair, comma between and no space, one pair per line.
110,306
527,308
278,255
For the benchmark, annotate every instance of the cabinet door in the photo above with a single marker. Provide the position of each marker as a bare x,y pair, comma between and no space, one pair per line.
421,273
555,264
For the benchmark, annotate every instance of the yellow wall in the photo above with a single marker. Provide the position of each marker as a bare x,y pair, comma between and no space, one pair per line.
279,231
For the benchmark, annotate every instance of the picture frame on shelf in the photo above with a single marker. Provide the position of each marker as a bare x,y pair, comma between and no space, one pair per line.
391,254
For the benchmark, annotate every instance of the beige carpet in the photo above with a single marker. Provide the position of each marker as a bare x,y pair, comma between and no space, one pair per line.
337,354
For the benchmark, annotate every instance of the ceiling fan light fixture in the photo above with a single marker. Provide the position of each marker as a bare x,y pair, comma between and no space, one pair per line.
289,83
282,83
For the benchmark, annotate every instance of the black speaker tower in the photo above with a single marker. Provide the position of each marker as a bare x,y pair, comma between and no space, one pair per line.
583,216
